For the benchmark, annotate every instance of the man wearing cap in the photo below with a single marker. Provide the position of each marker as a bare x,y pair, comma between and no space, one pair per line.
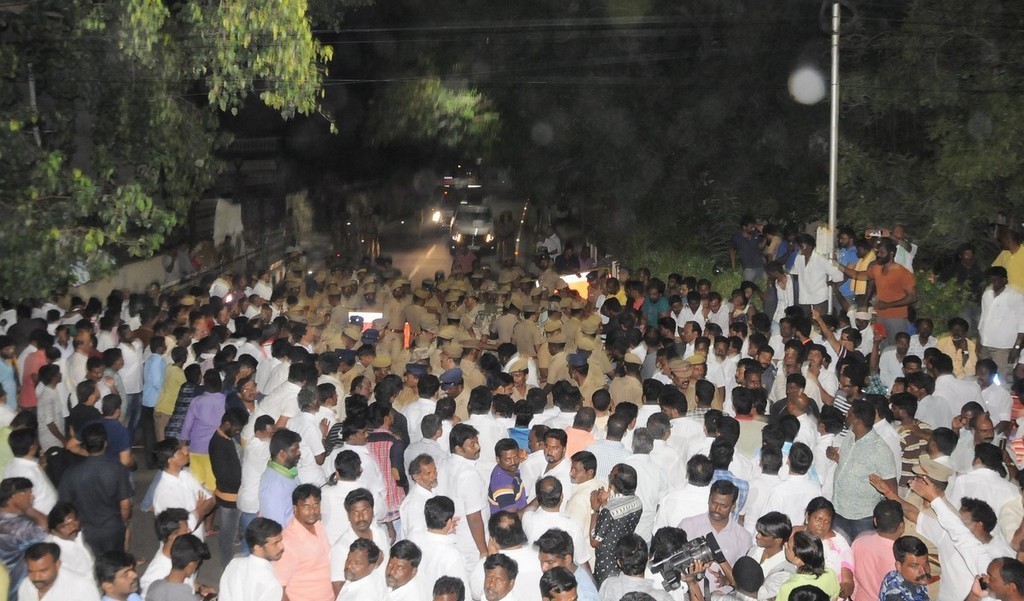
519,369
381,367
471,373
395,317
680,372
627,387
410,392
452,385
427,387
558,367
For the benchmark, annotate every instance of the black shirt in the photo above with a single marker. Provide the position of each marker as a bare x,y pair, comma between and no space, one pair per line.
96,488
80,415
227,467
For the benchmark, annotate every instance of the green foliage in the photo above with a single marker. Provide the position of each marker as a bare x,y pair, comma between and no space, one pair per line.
934,129
64,219
125,134
939,300
429,112
266,46
687,263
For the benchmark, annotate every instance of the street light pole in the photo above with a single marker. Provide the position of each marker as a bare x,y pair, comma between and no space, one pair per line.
833,151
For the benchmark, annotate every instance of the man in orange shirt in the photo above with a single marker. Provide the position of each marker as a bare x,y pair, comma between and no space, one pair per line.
891,288
304,569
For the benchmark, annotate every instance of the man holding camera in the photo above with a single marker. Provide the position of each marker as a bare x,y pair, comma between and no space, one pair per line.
731,536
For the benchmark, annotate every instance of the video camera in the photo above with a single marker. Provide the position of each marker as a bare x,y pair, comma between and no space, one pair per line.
673,568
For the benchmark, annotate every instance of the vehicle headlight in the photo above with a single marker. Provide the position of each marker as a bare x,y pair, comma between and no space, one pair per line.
436,217
489,238
457,237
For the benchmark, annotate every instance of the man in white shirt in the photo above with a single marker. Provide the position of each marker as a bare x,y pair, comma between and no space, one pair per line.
664,456
691,498
178,487
170,524
131,376
585,481
994,398
428,388
308,425
402,571
252,577
761,485
464,485
489,431
283,402
890,361
1001,327
348,477
362,518
610,451
508,538
651,483
792,495
685,432
558,465
955,391
255,456
46,580
364,578
423,473
442,557
815,272
25,464
430,442
66,533
986,481
547,516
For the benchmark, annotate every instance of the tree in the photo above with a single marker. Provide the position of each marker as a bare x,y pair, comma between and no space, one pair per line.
934,129
122,138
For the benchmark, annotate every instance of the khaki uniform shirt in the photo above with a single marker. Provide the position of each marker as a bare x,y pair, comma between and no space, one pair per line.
527,337
626,389
471,375
504,326
558,369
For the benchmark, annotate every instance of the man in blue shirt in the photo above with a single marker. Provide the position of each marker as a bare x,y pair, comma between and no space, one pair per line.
279,480
847,255
152,383
556,550
747,245
8,372
910,580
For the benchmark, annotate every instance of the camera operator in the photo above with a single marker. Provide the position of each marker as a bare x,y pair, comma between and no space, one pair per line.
731,536
631,559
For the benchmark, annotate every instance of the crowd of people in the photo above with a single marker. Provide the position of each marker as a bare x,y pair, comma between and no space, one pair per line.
498,435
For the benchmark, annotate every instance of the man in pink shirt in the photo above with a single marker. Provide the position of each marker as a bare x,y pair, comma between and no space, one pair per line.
304,569
34,360
579,435
872,551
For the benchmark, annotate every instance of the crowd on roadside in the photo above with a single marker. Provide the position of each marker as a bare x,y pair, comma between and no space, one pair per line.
497,434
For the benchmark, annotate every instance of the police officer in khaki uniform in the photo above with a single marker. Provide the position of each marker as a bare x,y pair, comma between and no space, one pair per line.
505,324
579,373
527,335
558,368
628,388
452,385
